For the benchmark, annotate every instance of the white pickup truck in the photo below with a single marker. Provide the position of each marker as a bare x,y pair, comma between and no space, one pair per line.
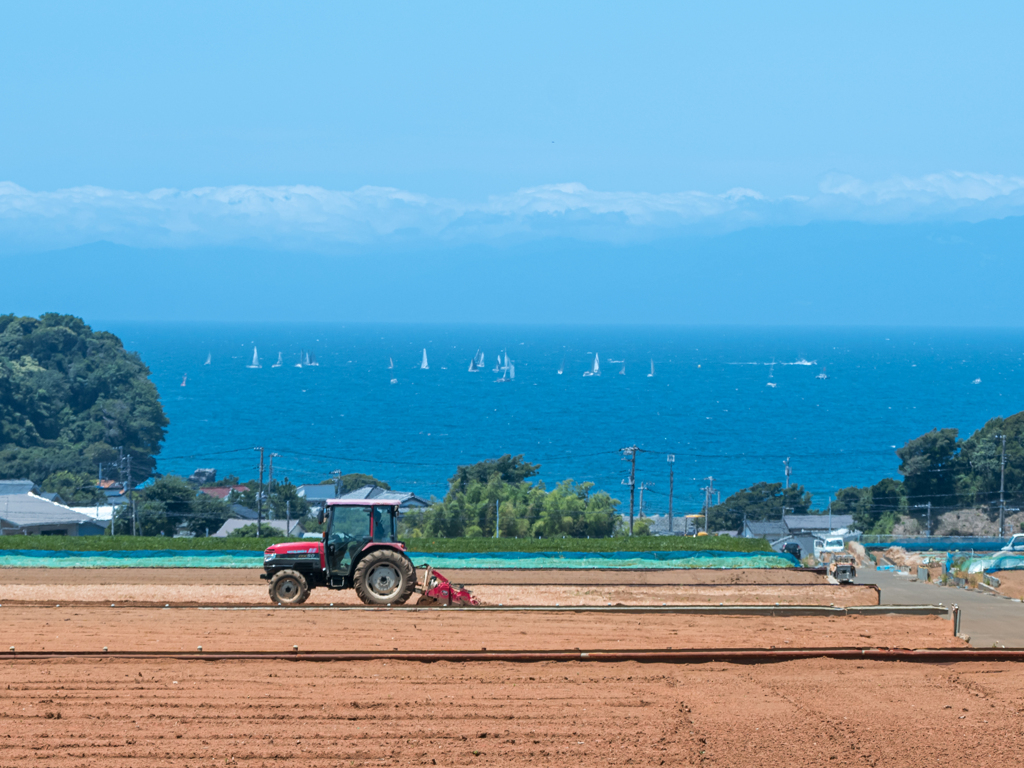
831,544
1015,544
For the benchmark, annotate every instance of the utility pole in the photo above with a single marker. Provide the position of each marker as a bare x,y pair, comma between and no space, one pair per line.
643,487
1002,486
270,489
629,454
259,498
789,471
709,491
671,479
928,507
287,517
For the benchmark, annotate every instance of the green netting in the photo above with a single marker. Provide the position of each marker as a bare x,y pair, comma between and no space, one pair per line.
22,558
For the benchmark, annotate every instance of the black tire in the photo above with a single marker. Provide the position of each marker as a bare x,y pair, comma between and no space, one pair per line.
384,577
289,587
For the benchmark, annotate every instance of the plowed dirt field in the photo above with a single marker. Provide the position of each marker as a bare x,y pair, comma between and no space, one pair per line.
98,714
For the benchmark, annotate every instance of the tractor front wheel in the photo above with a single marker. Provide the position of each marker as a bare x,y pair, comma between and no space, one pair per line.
289,587
384,577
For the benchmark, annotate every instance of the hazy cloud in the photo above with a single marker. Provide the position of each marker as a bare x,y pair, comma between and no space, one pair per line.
299,216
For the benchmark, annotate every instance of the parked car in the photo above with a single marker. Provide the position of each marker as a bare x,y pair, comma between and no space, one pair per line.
792,548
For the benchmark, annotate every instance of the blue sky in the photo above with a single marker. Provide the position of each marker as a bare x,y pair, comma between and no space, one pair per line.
357,129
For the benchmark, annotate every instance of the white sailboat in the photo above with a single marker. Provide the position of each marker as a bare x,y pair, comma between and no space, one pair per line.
651,374
209,357
561,368
255,360
508,373
423,365
184,379
311,360
497,366
595,369
473,367
822,375
391,364
299,364
622,371
511,372
280,361
771,374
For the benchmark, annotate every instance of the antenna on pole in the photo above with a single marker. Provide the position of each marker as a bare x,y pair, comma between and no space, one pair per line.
259,498
671,478
629,454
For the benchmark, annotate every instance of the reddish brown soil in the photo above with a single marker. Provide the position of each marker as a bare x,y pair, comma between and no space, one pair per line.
244,576
1011,583
98,714
257,594
228,586
278,629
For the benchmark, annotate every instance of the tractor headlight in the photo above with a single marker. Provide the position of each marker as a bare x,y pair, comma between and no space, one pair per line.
268,556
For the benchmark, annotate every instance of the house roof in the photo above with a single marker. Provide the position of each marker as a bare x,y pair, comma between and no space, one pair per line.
276,525
24,510
224,491
817,522
404,499
18,487
243,512
317,492
765,528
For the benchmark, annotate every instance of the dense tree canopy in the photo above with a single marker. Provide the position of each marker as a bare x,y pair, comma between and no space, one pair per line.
169,503
761,501
471,506
70,397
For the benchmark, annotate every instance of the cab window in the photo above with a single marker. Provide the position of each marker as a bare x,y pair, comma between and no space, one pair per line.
383,524
349,523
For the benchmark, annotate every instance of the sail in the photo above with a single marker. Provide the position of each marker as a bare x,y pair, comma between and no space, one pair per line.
423,365
649,375
209,357
511,372
299,364
505,366
280,361
312,360
497,365
255,360
622,371
597,365
391,363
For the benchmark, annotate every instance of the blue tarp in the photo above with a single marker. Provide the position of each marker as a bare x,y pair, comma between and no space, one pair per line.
172,558
1002,562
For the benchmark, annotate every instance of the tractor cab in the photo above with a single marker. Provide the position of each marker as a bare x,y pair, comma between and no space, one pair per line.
351,528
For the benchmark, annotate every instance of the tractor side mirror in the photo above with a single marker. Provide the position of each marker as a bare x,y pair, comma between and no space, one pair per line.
320,517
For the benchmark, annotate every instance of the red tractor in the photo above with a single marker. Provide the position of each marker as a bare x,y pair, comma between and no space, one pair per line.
359,550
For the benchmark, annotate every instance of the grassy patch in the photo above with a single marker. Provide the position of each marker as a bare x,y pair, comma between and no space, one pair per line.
617,544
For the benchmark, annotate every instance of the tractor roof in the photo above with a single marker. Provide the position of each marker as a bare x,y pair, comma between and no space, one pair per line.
363,503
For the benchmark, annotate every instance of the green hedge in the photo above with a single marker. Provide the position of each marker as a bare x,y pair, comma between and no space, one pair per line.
617,544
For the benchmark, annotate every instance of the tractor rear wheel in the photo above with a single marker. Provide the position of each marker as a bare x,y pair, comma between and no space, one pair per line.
384,577
289,587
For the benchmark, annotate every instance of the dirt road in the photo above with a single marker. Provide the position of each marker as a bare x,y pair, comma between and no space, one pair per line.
102,713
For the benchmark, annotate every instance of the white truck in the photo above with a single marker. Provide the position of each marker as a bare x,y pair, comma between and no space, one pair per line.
1015,544
830,545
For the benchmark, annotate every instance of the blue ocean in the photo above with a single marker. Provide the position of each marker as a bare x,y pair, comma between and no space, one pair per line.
729,403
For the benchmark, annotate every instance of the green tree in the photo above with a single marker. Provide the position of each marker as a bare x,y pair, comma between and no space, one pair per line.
761,501
470,508
875,509
929,464
280,500
76,488
355,481
977,481
69,397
